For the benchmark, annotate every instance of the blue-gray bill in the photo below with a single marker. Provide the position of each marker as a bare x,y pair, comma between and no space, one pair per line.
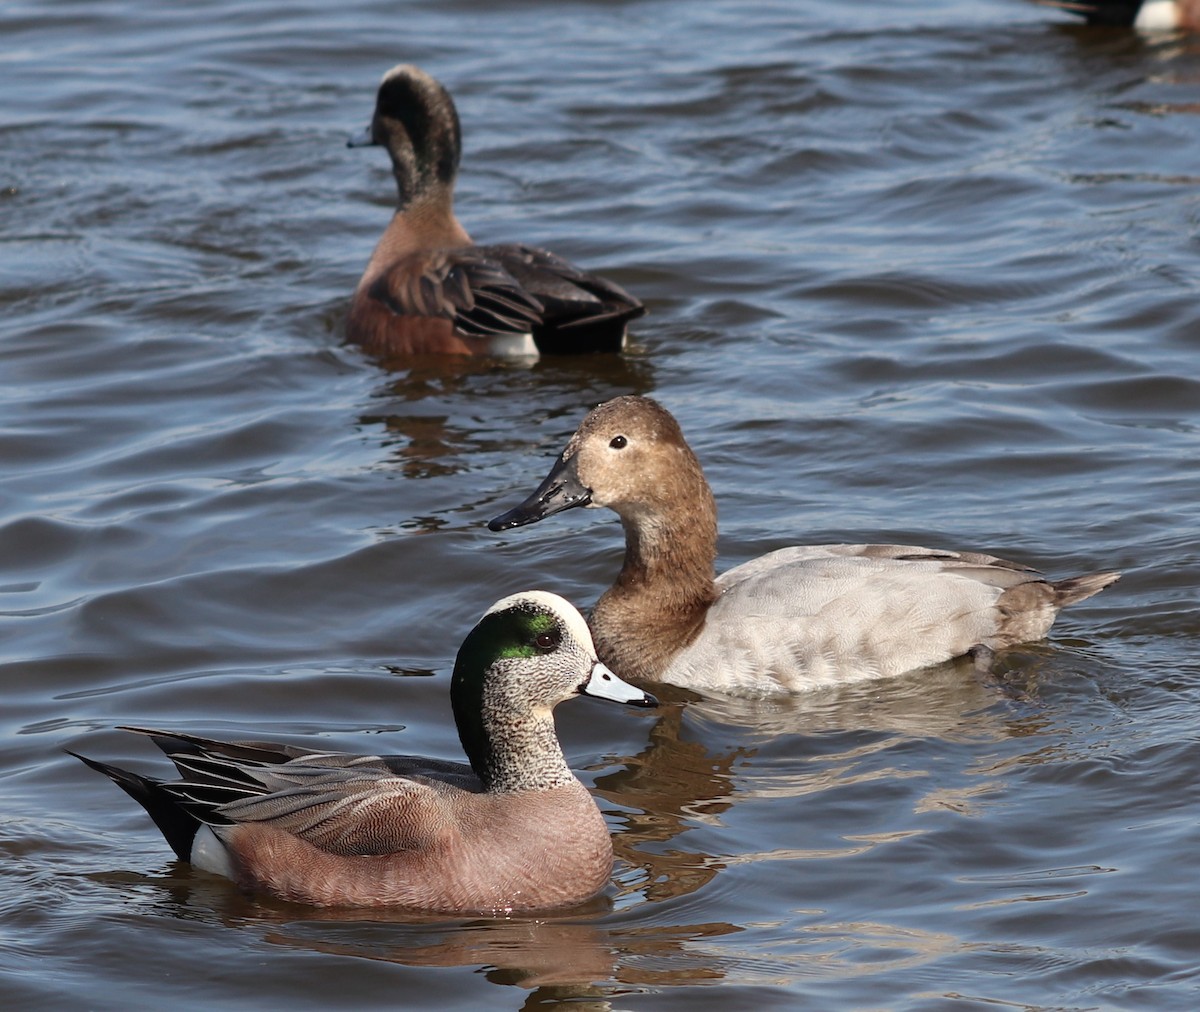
560,490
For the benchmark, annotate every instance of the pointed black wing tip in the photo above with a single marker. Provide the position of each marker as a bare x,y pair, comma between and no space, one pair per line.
177,826
1098,13
95,764
614,318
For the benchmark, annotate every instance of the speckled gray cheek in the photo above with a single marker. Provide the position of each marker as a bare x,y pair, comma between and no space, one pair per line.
520,750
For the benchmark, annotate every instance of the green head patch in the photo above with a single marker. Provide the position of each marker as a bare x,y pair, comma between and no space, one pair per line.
521,632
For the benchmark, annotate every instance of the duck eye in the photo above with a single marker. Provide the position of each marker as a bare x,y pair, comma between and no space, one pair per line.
618,442
546,640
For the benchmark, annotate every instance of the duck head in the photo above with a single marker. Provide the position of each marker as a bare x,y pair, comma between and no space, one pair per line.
416,121
628,454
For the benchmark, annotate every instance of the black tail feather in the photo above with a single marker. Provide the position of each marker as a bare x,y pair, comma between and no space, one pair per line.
1099,12
180,743
175,823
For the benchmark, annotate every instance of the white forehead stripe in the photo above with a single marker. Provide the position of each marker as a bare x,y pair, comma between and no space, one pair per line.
576,626
401,68
1158,15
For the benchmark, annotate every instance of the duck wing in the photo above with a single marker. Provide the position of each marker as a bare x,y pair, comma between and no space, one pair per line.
465,285
180,743
821,614
345,811
509,290
571,299
341,803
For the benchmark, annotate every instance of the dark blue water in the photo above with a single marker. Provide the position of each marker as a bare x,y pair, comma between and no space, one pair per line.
919,274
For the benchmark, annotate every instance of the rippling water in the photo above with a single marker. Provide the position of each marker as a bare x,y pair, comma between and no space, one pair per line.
924,273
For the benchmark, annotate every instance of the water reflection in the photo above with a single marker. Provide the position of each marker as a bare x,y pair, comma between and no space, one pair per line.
419,408
704,758
671,783
573,955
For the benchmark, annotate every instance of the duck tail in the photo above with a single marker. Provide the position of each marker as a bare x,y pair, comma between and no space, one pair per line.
175,823
1080,588
1098,12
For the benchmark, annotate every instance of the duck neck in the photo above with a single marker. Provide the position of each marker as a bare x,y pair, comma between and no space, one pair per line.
671,554
511,748
427,223
417,173
430,217
659,601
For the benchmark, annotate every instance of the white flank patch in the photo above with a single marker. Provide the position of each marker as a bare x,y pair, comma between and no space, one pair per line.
516,345
209,853
1157,16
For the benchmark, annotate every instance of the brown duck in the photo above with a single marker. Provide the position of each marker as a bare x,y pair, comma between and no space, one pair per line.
429,290
789,620
514,830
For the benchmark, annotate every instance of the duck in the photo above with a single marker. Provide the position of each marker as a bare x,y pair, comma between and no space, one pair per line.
428,289
511,830
1145,15
789,621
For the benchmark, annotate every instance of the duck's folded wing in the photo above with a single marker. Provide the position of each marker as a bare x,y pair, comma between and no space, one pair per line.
835,613
569,297
181,743
466,286
264,753
346,810
988,569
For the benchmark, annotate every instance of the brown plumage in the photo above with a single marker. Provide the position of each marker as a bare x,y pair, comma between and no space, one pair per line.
790,620
428,290
513,830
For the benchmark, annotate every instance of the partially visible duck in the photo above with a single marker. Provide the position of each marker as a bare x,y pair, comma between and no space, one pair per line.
1147,15
790,620
514,830
429,290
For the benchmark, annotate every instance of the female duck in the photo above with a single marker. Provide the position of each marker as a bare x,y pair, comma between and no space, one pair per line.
792,619
514,830
428,290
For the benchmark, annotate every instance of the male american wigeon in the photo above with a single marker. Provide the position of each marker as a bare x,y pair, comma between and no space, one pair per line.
514,830
1147,15
792,619
429,290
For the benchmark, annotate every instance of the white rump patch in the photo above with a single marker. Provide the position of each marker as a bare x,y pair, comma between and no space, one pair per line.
514,345
1157,16
209,853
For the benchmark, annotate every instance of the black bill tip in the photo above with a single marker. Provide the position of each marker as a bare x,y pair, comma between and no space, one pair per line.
513,518
560,490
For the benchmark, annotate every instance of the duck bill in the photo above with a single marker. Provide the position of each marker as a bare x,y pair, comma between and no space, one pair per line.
362,139
603,684
561,490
